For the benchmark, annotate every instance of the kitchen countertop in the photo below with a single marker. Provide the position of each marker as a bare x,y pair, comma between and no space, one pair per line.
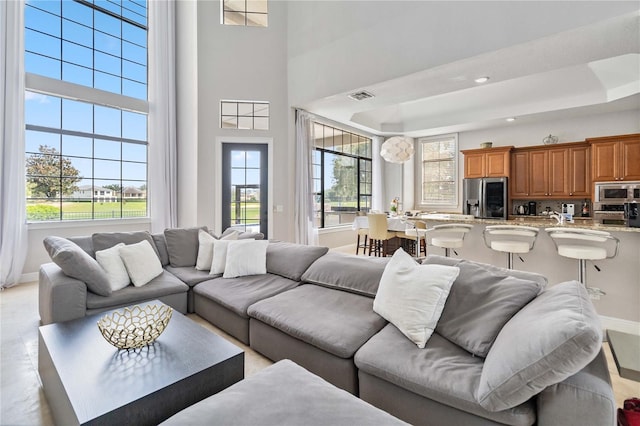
538,221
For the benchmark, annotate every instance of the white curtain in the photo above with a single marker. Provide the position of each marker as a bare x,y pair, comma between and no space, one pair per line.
163,171
305,231
13,228
378,198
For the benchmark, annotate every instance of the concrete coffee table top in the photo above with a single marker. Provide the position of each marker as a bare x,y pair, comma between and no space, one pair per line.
88,381
625,348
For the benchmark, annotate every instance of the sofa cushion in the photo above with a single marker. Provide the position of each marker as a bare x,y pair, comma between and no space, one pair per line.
442,372
334,321
76,263
550,339
105,240
283,394
237,294
352,273
246,257
483,298
162,285
85,242
161,246
189,275
112,264
412,296
182,245
292,260
141,261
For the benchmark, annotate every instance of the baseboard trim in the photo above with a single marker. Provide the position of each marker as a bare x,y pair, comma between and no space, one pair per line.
28,278
617,324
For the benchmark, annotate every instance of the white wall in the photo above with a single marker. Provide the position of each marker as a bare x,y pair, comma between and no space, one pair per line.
242,63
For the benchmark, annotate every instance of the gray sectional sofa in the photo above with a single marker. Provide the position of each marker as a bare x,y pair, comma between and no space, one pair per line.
507,350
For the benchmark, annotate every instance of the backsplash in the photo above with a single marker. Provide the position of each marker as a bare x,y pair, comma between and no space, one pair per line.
554,205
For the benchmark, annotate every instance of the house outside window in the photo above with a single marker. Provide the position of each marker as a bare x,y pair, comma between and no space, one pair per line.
85,109
437,165
341,175
251,13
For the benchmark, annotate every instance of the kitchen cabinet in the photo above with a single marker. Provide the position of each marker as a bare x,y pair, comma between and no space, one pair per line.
487,162
615,158
558,171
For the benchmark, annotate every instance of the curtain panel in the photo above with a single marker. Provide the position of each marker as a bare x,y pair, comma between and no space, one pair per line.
163,169
305,230
13,228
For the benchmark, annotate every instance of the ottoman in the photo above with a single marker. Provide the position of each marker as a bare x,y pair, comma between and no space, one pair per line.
283,394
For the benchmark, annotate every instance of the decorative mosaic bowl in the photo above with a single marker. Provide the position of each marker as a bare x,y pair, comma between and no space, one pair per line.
135,327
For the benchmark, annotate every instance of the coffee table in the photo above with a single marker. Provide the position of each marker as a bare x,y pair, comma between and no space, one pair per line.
89,382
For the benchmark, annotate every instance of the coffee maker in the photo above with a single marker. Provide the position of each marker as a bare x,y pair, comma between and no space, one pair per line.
532,208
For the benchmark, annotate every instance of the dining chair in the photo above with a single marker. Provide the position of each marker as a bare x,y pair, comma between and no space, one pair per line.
379,234
414,238
362,232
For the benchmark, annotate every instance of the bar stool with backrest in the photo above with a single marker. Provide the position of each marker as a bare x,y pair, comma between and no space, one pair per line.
448,236
584,244
510,239
364,232
416,236
379,234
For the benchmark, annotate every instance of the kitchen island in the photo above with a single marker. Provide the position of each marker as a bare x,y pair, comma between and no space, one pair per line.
618,277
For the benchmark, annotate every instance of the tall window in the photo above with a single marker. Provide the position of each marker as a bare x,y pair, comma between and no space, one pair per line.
438,177
86,109
341,175
251,13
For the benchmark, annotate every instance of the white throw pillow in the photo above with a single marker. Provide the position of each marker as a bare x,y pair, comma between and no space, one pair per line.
205,248
112,264
141,261
246,257
412,296
219,257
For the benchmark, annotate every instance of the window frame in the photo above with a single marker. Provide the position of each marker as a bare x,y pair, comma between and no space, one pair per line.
358,160
453,202
244,12
62,89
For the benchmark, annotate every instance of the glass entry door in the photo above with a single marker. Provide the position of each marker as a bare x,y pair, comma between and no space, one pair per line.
245,187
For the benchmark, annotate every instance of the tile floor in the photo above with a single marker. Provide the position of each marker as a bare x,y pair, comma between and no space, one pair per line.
22,401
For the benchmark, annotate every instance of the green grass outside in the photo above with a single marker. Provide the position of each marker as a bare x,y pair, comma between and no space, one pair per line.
79,210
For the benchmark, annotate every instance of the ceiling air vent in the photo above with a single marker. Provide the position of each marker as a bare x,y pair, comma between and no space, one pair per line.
360,96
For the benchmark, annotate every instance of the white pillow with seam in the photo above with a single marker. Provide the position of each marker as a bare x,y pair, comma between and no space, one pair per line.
112,264
205,248
246,257
412,296
219,257
141,261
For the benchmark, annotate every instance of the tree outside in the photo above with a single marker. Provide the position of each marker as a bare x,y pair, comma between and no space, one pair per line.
44,171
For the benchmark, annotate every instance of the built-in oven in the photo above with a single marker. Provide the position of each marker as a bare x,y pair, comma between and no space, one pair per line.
610,199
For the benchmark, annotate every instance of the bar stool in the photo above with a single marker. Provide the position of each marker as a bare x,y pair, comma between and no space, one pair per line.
379,234
417,234
510,239
448,236
584,244
362,231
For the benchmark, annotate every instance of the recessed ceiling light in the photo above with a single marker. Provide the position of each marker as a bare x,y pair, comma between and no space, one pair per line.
511,119
360,96
481,79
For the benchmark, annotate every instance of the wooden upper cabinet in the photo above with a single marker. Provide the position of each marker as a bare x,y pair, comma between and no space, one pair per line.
519,177
558,171
615,158
487,162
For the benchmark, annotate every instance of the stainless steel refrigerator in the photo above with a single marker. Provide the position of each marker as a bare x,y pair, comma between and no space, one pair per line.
485,198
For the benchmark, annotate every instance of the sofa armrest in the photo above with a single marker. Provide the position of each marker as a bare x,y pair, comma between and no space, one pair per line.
60,297
586,398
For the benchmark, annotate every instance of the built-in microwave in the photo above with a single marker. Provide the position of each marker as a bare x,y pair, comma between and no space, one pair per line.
617,192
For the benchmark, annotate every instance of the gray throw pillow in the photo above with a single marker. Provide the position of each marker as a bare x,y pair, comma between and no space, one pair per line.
482,299
549,340
292,260
352,273
182,245
106,240
161,246
77,264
